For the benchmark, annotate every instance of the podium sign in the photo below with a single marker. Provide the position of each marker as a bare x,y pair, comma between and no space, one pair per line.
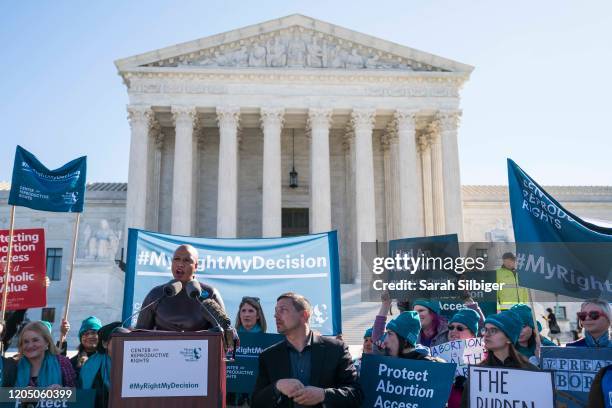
150,368
154,369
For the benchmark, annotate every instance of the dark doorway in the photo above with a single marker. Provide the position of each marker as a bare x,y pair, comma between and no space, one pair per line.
295,221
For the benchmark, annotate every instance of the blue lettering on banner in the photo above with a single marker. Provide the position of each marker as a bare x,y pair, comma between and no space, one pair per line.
244,267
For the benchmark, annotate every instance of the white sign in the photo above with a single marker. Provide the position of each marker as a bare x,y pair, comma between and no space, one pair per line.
509,387
165,368
461,352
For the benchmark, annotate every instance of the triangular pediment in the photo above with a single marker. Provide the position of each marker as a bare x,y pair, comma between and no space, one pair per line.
293,42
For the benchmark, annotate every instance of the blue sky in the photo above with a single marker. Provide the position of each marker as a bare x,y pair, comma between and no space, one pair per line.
540,92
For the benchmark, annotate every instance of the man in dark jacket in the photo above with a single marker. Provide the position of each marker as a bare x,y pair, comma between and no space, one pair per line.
306,369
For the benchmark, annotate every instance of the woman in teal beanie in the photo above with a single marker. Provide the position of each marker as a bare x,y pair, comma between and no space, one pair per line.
401,338
95,373
463,325
501,331
88,340
433,325
526,343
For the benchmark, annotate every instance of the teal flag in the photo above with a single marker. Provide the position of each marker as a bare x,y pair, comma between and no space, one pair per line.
35,186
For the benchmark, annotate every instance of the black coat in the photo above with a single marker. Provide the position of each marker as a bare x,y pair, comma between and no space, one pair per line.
331,368
9,372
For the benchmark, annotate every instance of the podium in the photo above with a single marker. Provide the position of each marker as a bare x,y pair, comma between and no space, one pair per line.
167,369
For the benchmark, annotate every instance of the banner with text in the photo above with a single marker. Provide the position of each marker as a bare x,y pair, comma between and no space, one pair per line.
508,387
27,280
461,352
574,369
242,373
389,382
263,267
557,251
35,186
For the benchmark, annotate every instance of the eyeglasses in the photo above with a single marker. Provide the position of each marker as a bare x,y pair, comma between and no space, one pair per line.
253,298
491,331
452,327
593,315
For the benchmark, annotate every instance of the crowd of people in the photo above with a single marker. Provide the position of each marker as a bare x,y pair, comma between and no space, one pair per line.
305,369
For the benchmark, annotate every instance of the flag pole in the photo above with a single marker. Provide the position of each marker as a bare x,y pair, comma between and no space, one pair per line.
72,260
535,326
7,268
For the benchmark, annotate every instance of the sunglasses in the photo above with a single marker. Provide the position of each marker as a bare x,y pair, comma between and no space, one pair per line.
593,315
452,327
253,298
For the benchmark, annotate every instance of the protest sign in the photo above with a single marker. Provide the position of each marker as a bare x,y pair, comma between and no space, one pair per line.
244,267
462,353
26,287
242,373
509,387
398,382
574,369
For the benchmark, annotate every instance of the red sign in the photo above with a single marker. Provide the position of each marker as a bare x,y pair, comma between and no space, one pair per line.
26,288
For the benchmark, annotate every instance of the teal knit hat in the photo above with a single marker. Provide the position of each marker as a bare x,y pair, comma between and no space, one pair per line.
407,325
524,312
468,317
47,325
508,322
91,323
368,333
432,305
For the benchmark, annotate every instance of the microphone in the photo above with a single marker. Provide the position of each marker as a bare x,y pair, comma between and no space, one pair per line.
170,289
218,314
193,289
173,288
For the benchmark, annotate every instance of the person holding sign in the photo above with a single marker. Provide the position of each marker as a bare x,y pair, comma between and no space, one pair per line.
594,316
39,362
180,312
401,338
306,369
462,326
366,348
501,331
95,373
526,344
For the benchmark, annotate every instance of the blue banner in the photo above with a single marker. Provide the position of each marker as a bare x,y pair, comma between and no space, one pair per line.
264,268
242,373
557,251
573,369
35,186
391,381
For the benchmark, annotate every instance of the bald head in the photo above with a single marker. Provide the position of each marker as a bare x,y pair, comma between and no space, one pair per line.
184,263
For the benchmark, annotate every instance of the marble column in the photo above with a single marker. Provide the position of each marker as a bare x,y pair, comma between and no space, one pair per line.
389,143
183,176
227,194
437,179
271,217
410,191
348,244
319,123
140,118
448,122
365,208
428,215
155,149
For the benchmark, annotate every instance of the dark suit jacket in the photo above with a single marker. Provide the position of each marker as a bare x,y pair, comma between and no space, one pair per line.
331,368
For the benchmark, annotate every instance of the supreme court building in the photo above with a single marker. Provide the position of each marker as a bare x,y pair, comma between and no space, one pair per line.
369,126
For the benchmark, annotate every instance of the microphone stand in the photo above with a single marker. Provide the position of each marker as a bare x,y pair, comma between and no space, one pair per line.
143,308
217,328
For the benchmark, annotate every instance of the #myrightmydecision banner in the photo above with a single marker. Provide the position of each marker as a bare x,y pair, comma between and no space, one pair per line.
264,267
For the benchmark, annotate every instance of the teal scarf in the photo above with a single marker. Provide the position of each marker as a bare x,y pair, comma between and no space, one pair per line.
603,341
254,329
50,372
99,362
